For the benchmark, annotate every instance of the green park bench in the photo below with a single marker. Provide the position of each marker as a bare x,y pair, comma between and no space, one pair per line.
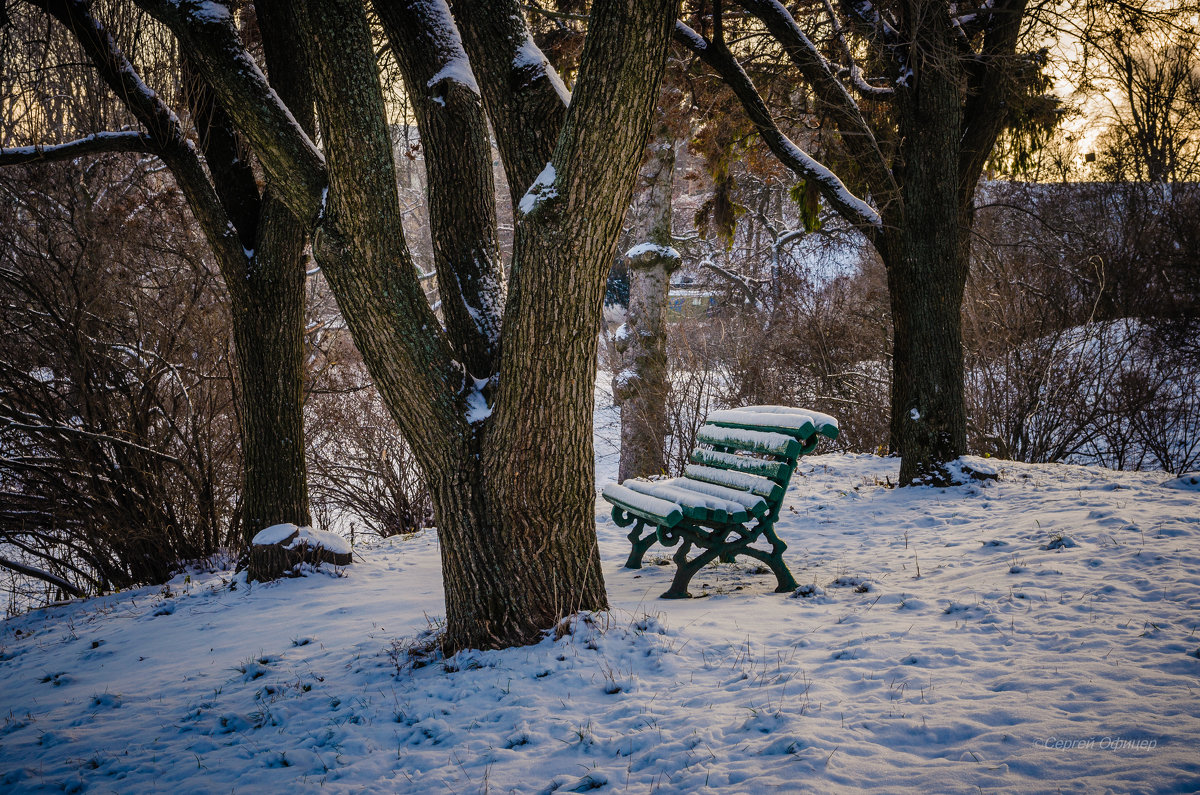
729,496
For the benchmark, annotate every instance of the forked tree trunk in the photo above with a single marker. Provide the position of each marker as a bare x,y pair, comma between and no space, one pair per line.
513,491
640,387
539,557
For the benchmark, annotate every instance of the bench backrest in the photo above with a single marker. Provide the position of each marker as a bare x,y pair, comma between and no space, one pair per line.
759,442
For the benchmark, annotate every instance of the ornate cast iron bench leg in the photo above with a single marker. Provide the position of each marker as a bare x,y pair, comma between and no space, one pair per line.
640,543
716,544
711,544
785,582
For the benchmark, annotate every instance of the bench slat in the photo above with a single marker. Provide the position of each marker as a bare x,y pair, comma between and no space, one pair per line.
757,441
825,424
799,425
755,484
652,509
775,470
756,505
696,505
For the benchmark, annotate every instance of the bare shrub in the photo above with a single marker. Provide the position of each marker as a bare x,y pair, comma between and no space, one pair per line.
118,448
1071,324
362,474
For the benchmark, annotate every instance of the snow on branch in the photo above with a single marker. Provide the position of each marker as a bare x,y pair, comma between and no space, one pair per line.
883,31
746,284
40,574
533,64
95,143
854,71
211,39
856,132
162,125
444,37
541,190
849,206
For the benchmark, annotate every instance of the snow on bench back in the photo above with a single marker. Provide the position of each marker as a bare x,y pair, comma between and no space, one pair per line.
751,502
777,416
819,419
743,439
755,484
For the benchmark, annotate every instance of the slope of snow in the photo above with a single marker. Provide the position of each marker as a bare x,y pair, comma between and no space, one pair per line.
1037,632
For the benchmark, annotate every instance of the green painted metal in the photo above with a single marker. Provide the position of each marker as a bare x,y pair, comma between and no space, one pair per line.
715,533
779,444
767,468
801,433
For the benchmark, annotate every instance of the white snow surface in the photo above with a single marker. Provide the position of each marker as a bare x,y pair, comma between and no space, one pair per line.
667,252
639,500
756,484
458,70
677,491
530,59
446,40
1010,664
745,438
275,534
818,419
541,189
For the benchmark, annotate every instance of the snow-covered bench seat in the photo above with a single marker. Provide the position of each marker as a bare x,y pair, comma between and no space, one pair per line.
729,496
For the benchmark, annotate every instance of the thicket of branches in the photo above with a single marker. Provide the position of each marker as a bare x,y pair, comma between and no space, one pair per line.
118,448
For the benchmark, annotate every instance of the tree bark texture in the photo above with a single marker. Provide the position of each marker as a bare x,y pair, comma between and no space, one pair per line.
543,557
268,327
925,251
267,312
641,388
525,98
453,129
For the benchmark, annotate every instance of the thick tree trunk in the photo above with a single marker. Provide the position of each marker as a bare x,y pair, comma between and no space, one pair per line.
926,256
640,387
539,552
514,566
268,325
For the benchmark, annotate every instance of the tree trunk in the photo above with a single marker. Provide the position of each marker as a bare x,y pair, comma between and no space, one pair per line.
925,253
640,388
268,325
536,558
513,477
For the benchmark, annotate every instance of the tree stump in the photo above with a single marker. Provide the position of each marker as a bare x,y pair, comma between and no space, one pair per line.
279,550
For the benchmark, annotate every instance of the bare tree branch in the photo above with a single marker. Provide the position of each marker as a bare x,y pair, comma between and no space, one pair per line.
164,129
849,206
857,135
207,32
96,143
39,574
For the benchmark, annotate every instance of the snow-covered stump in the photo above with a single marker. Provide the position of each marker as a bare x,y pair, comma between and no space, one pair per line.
280,549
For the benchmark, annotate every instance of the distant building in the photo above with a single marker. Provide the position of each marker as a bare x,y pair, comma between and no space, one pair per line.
688,298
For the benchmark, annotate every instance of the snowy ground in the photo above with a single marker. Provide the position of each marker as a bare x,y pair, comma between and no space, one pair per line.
1049,643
